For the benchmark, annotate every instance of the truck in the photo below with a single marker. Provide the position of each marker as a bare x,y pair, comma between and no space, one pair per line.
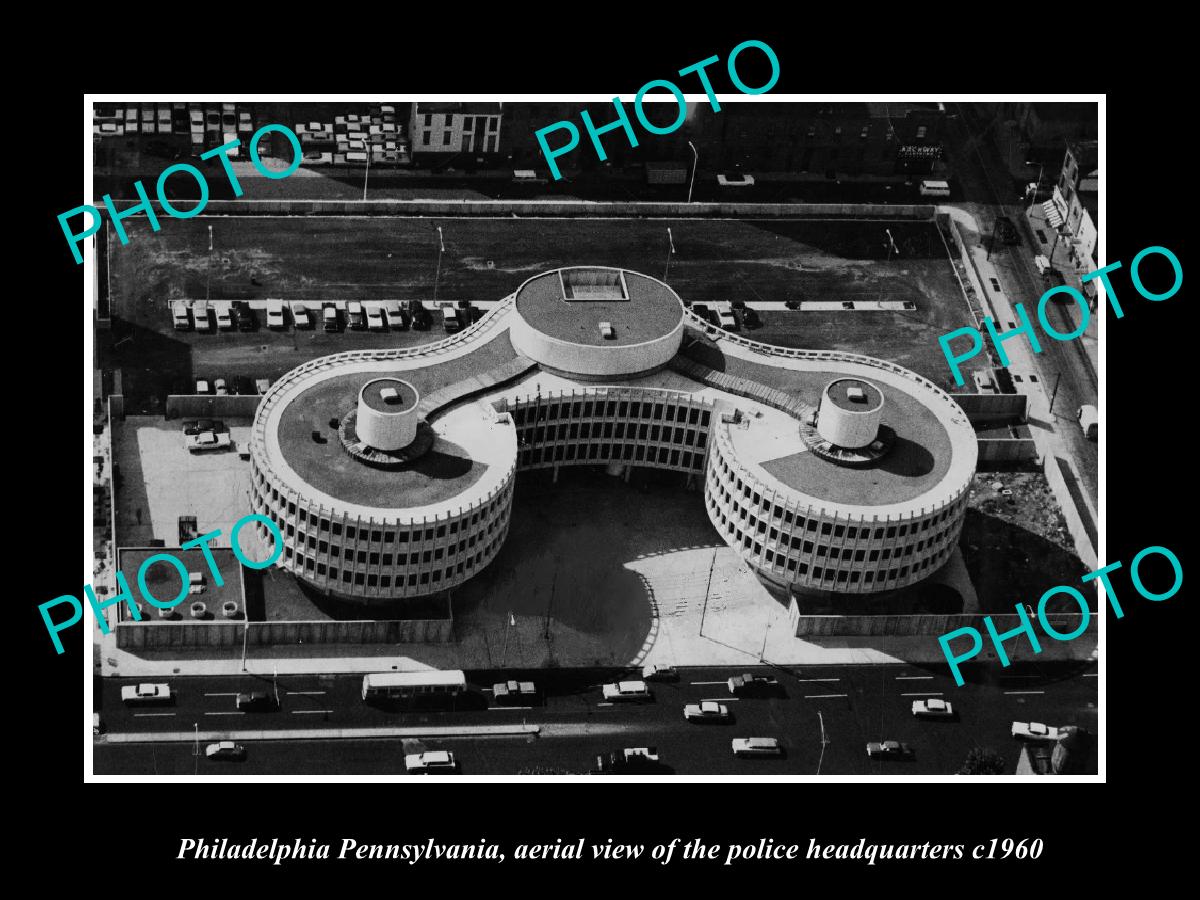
1089,420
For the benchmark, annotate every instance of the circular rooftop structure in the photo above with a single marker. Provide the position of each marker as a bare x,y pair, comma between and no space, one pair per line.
596,321
387,417
851,413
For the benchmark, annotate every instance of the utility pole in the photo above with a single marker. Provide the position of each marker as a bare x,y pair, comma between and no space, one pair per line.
824,741
366,174
245,636
891,246
441,250
1054,392
670,253
695,163
763,651
707,586
196,749
208,275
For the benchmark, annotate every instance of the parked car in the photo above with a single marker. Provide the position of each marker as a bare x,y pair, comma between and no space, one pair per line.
146,693
748,685
225,750
246,320
430,762
706,711
514,693
354,316
757,746
206,441
397,318
191,426
1034,731
220,388
329,317
635,691
210,425
934,708
659,673
889,750
451,319
224,317
300,316
180,316
275,318
200,315
630,760
256,701
203,387
375,319
261,385
1089,420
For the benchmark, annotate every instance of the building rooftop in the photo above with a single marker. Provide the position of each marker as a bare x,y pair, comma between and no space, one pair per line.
389,395
164,582
463,109
569,304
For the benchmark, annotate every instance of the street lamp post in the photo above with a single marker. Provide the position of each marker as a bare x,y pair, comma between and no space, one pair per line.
196,749
891,245
438,275
366,174
695,163
208,275
670,252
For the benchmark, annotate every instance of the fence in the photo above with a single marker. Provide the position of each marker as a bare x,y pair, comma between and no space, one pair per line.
1007,449
164,635
241,406
918,624
555,208
994,409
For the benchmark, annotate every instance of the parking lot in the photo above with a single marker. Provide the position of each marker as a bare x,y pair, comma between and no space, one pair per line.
316,260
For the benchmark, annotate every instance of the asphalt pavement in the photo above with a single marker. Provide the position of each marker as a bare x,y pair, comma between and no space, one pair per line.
823,715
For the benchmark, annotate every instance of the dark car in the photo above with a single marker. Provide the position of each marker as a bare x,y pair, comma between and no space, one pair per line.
246,320
630,761
750,318
748,685
256,701
700,309
243,384
191,427
713,318
209,425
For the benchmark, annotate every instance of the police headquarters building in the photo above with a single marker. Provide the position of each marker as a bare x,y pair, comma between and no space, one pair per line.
391,473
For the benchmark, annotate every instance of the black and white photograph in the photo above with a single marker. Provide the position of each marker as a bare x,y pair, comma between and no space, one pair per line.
688,434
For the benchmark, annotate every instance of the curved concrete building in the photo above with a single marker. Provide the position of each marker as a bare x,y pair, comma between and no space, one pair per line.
830,473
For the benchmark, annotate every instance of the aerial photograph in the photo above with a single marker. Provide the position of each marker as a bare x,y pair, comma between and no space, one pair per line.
476,439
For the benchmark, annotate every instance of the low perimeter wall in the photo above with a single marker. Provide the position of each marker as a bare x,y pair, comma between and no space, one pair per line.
931,623
566,208
1007,449
164,635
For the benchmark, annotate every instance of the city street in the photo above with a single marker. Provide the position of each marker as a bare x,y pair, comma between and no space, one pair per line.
849,705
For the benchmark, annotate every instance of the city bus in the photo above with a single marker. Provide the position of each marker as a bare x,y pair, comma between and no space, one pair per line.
431,686
935,189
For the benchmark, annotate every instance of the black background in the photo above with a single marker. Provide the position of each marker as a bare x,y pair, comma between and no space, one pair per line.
125,832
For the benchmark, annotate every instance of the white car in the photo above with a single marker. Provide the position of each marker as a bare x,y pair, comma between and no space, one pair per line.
757,746
430,761
206,441
659,673
224,317
275,314
300,316
180,317
706,711
146,693
220,388
395,317
934,708
627,690
1034,731
375,319
225,750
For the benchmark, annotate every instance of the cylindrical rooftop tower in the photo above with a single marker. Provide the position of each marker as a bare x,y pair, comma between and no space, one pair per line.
850,413
387,414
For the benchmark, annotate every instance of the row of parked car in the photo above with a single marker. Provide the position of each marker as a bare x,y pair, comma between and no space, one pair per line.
393,315
731,315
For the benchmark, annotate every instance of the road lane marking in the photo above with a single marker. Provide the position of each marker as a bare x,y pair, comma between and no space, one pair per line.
1091,674
822,696
818,679
706,682
154,714
237,713
924,694
1024,692
221,695
310,712
914,678
306,693
506,708
718,699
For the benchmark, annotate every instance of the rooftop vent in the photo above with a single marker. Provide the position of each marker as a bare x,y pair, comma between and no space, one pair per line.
606,329
389,395
856,395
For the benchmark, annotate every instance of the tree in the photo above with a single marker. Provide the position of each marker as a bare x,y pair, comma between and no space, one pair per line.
983,761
